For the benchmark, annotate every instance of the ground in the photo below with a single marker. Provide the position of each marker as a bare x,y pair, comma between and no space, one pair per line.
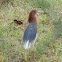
48,46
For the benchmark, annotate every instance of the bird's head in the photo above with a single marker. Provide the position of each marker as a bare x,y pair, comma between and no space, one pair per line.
32,18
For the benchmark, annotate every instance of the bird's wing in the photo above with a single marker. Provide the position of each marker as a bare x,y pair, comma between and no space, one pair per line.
30,33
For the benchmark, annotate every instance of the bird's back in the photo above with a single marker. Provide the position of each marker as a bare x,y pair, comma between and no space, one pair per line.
29,35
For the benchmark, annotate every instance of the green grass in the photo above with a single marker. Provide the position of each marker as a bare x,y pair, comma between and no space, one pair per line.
48,46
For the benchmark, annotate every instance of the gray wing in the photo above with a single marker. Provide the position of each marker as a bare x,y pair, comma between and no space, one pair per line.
30,33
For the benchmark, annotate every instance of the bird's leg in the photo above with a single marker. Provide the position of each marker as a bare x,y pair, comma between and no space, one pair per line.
32,54
26,55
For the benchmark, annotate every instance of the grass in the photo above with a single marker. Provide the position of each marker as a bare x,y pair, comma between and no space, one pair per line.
48,46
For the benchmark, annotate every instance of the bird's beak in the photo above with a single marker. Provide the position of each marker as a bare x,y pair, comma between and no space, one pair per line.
41,12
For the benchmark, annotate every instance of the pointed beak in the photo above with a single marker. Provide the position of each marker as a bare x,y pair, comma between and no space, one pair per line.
41,12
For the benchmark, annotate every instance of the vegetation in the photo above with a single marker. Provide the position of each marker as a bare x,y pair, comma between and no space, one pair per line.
48,46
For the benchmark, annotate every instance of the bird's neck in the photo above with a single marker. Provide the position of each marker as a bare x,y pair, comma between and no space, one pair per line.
32,19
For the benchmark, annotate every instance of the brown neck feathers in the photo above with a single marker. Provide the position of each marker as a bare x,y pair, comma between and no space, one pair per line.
32,18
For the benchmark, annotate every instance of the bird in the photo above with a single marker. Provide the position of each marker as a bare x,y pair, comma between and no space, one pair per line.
30,32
